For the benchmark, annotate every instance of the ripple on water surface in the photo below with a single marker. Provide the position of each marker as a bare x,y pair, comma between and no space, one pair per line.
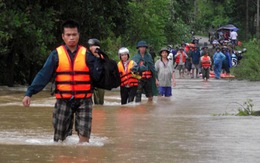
20,138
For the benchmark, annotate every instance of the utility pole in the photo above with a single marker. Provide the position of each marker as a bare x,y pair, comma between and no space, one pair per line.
257,21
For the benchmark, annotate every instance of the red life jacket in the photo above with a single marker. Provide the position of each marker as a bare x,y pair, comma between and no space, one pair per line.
126,76
72,81
147,73
205,61
177,60
187,48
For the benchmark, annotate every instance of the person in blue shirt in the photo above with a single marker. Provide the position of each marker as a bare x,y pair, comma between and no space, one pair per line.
75,69
218,58
195,61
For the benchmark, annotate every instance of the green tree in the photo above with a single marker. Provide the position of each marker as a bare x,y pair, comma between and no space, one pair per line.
147,21
213,13
29,29
179,23
25,36
249,66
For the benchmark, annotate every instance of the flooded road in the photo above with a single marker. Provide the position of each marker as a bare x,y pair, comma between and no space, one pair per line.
182,128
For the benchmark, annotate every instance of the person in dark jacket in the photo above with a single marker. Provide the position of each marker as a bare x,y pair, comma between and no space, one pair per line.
227,63
145,65
98,93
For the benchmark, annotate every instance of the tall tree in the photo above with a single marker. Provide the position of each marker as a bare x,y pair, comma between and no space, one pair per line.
257,21
247,19
25,29
147,21
180,21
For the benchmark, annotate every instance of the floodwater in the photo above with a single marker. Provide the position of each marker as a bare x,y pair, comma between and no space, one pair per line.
188,127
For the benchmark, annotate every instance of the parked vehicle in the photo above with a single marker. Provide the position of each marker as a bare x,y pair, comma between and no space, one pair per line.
237,56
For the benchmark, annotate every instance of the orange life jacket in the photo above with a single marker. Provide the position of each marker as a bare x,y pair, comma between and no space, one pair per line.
177,60
72,81
205,61
126,76
147,73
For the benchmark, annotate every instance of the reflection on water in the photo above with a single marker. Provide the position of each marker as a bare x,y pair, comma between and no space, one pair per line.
176,129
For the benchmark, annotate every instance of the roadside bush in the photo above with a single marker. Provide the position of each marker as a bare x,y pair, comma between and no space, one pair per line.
249,66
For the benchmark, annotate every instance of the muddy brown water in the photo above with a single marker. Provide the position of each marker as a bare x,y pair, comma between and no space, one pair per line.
177,129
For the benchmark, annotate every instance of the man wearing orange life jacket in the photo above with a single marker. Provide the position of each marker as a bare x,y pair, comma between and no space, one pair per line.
74,69
180,59
205,64
145,65
129,84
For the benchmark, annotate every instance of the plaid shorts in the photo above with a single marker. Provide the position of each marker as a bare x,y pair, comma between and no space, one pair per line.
63,118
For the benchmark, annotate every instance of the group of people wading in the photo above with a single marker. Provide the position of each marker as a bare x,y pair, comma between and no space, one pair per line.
75,69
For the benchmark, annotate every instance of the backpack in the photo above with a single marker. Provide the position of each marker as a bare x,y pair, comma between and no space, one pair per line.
110,77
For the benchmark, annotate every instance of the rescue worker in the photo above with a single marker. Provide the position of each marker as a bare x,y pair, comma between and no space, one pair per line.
129,83
74,69
145,66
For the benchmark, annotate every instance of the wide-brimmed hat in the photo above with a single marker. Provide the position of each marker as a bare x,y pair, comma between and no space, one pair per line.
141,44
164,49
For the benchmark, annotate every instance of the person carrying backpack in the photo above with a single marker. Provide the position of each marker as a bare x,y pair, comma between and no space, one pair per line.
98,93
110,77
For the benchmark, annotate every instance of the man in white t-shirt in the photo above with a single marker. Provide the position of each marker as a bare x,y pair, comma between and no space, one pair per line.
233,37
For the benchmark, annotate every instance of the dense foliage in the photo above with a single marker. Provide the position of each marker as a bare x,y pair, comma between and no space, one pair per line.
29,30
249,67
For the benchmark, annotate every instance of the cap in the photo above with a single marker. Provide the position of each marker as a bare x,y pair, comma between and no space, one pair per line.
93,42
